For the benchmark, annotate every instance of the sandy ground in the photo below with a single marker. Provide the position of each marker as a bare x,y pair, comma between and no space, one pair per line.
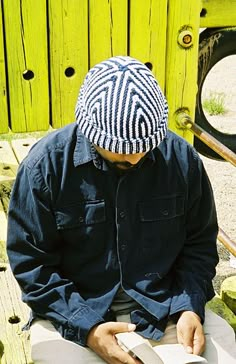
222,79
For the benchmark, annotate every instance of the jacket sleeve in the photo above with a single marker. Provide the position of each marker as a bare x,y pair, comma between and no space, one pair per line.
33,246
195,267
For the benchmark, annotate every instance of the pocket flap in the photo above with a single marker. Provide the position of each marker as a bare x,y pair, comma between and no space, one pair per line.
87,213
161,208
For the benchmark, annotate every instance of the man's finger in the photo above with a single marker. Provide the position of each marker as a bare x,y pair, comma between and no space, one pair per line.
116,327
198,341
186,338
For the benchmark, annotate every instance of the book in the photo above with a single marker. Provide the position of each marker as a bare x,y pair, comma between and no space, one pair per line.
139,347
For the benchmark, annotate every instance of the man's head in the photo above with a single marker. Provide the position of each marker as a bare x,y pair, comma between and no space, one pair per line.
122,110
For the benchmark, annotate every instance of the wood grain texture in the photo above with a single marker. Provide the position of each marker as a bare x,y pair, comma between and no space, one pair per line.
13,314
218,13
8,162
26,42
68,24
21,147
108,29
3,87
147,35
181,63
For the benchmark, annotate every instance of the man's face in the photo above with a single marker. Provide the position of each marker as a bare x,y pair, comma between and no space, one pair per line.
121,161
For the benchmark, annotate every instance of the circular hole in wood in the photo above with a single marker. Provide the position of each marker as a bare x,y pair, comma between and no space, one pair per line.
28,75
69,71
149,65
203,12
6,168
14,319
25,144
3,268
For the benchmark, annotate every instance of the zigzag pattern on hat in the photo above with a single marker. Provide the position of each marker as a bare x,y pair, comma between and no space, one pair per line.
121,107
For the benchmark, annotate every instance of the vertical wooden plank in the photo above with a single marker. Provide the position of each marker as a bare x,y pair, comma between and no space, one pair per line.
181,62
108,29
147,40
218,13
68,24
26,41
3,88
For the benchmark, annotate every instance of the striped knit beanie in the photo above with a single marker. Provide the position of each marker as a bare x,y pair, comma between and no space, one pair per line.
121,107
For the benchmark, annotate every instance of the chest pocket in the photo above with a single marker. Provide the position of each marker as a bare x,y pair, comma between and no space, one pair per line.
79,215
162,223
83,230
161,208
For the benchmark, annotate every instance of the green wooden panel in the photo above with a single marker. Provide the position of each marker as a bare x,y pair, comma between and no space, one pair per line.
218,13
147,41
68,24
108,29
3,91
26,41
181,62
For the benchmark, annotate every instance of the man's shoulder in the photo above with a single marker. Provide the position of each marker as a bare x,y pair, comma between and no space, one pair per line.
177,145
57,141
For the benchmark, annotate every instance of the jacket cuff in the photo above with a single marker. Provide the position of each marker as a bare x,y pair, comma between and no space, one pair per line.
188,302
79,325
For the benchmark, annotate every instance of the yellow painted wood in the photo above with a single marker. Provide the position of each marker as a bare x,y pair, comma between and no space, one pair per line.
26,41
228,292
3,88
218,13
108,29
15,342
181,63
147,34
68,22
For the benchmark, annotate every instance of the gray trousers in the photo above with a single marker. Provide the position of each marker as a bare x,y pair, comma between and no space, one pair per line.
48,347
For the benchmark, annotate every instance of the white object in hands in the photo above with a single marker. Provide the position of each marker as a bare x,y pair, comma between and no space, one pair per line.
160,354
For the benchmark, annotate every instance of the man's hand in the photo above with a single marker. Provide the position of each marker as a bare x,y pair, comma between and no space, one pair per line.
190,332
101,339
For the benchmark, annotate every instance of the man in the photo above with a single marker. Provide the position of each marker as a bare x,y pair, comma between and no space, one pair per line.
112,228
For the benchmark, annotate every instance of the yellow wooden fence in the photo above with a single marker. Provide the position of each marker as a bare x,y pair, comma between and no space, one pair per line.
46,48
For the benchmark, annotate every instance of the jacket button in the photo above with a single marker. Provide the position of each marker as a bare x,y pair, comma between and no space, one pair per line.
123,247
122,214
81,219
165,212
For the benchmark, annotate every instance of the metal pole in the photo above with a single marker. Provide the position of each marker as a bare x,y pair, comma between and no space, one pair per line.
184,121
227,242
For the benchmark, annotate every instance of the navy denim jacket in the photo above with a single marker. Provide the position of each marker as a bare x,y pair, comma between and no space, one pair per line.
77,231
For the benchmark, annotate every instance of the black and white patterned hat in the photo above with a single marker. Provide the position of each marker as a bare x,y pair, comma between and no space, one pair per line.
121,107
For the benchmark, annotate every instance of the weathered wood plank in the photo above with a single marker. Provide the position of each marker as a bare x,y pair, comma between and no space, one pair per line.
68,22
3,235
26,42
8,169
147,40
108,29
218,13
182,59
21,147
8,162
13,314
3,91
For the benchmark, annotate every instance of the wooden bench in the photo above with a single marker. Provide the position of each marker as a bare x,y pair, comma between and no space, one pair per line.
13,312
